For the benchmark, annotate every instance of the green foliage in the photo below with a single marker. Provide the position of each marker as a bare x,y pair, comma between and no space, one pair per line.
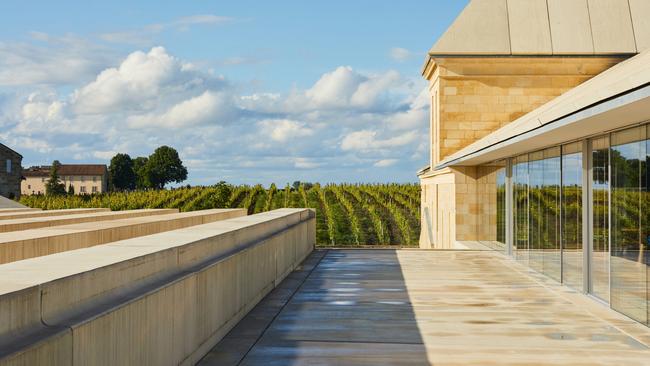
141,171
120,173
165,166
347,214
54,187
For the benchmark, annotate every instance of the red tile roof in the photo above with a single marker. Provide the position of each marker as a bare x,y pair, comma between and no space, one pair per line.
67,169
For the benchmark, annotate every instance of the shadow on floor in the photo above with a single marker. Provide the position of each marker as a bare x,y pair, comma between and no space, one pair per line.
342,307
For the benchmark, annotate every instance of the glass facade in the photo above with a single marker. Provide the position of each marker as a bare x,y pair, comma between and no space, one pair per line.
599,256
571,201
520,207
580,214
628,235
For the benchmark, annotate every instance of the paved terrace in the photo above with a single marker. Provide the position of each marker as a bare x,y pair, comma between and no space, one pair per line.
381,307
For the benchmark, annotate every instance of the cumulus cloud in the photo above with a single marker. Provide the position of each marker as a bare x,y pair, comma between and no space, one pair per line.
367,140
342,127
385,163
400,54
207,107
347,88
138,83
284,130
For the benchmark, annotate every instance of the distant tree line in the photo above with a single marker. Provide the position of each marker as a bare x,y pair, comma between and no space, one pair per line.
162,167
155,171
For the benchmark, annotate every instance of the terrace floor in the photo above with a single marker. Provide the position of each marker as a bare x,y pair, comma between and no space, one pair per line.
418,307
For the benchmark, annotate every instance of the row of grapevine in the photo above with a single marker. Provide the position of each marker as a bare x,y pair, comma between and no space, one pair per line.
347,214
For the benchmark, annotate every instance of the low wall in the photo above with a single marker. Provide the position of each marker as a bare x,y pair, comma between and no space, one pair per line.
19,245
163,299
29,214
39,222
18,209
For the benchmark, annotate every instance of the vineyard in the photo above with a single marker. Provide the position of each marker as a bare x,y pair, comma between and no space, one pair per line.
347,214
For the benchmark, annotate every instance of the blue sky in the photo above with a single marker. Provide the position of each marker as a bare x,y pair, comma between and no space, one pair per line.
247,91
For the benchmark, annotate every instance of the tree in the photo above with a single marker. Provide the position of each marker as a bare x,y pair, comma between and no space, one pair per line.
54,187
71,189
141,171
120,173
165,166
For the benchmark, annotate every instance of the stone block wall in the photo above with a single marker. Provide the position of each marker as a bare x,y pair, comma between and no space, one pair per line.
10,181
474,96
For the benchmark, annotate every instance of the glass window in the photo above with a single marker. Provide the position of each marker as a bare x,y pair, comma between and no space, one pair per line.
572,251
628,262
550,214
520,209
536,210
8,165
600,218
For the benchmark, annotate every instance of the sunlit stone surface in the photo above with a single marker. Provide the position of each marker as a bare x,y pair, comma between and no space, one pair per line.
442,308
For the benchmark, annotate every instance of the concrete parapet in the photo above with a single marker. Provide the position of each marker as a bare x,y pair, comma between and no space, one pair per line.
39,222
19,245
163,299
26,213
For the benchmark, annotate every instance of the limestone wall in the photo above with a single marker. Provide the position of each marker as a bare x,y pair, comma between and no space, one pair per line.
459,205
474,96
26,244
163,299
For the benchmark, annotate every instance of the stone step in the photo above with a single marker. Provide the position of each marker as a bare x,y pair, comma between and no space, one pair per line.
29,214
19,245
39,222
161,299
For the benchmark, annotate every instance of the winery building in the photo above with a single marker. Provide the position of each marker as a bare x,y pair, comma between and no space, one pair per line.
10,172
540,141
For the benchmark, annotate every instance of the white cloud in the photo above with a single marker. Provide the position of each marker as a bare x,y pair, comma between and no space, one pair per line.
304,163
385,163
340,128
366,140
133,85
346,88
400,54
284,130
104,155
52,60
207,107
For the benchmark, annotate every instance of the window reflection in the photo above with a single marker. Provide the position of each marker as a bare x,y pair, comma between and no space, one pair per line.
520,209
600,218
572,252
628,266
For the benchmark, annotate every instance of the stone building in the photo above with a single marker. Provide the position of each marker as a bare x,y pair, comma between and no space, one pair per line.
85,178
10,172
540,142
